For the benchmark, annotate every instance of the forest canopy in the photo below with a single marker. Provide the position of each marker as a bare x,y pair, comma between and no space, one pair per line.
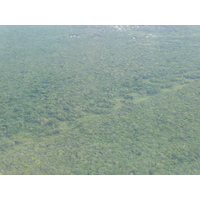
99,100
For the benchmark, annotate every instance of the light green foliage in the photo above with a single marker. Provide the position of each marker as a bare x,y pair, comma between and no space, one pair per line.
99,100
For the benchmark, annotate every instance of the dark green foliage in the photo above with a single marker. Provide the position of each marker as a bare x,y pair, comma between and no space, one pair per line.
99,100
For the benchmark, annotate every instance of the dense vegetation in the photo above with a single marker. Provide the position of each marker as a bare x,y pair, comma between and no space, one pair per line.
99,100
